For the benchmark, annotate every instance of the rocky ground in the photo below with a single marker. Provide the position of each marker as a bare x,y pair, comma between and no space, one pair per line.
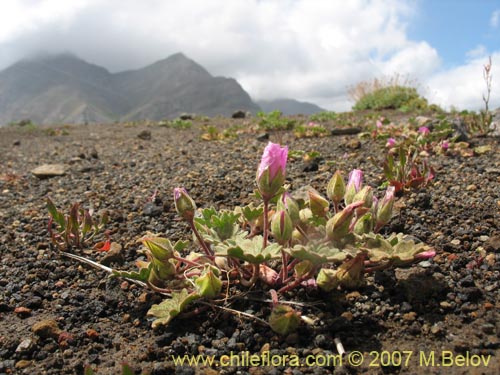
58,315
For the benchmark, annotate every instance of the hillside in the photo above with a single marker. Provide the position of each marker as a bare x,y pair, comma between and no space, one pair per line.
65,89
289,107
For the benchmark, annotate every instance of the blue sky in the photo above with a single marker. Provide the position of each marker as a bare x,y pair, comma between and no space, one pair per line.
456,27
311,50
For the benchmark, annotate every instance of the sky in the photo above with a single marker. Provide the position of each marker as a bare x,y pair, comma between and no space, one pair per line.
310,50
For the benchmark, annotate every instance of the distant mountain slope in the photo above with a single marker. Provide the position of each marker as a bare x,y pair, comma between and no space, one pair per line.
66,89
289,107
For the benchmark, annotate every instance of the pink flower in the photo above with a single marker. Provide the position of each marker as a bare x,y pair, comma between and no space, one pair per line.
445,145
379,124
312,124
426,254
390,142
424,130
353,185
271,171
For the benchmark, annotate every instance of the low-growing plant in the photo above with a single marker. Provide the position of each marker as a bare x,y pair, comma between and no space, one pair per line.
177,124
212,133
274,121
323,116
75,229
405,170
396,92
310,130
278,244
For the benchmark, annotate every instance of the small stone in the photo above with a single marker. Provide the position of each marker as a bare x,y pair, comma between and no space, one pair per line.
436,330
25,346
445,305
493,243
186,116
488,305
353,144
484,238
22,312
23,363
17,142
145,134
150,209
262,137
239,114
46,328
114,255
410,317
92,333
471,187
265,348
347,315
455,242
49,170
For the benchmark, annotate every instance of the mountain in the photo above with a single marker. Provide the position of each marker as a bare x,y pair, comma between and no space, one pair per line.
289,107
65,89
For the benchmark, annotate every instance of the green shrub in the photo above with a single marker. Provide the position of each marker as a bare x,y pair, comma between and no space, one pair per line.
393,97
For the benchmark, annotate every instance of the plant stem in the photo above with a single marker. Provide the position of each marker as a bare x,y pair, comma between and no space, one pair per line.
266,223
202,243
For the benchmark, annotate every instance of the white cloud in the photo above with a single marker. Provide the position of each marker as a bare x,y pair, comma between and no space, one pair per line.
463,87
305,49
495,19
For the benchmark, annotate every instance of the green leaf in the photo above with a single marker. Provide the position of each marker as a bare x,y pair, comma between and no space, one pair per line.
317,254
249,250
56,215
209,284
284,319
142,275
161,248
251,213
171,307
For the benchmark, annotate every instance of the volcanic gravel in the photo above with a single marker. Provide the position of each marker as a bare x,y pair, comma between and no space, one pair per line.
58,315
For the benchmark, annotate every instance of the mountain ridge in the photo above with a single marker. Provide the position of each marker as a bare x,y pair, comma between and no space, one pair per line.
63,88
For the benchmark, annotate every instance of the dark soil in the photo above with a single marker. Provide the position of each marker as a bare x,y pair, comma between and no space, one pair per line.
449,303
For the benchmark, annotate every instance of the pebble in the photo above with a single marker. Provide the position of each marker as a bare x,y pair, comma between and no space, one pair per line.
410,317
23,363
152,210
145,135
22,312
46,328
25,346
114,255
455,242
471,187
49,170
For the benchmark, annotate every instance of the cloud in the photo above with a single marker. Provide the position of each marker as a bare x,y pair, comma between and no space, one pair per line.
463,87
305,49
495,19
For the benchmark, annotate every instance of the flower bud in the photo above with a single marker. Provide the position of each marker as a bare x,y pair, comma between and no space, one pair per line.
184,204
209,284
271,171
318,205
338,226
384,209
364,224
281,226
353,185
336,188
391,142
288,204
424,130
365,195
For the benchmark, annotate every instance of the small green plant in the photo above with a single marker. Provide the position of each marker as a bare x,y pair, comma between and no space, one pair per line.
278,244
212,133
323,117
389,93
74,229
310,130
274,121
405,170
177,124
